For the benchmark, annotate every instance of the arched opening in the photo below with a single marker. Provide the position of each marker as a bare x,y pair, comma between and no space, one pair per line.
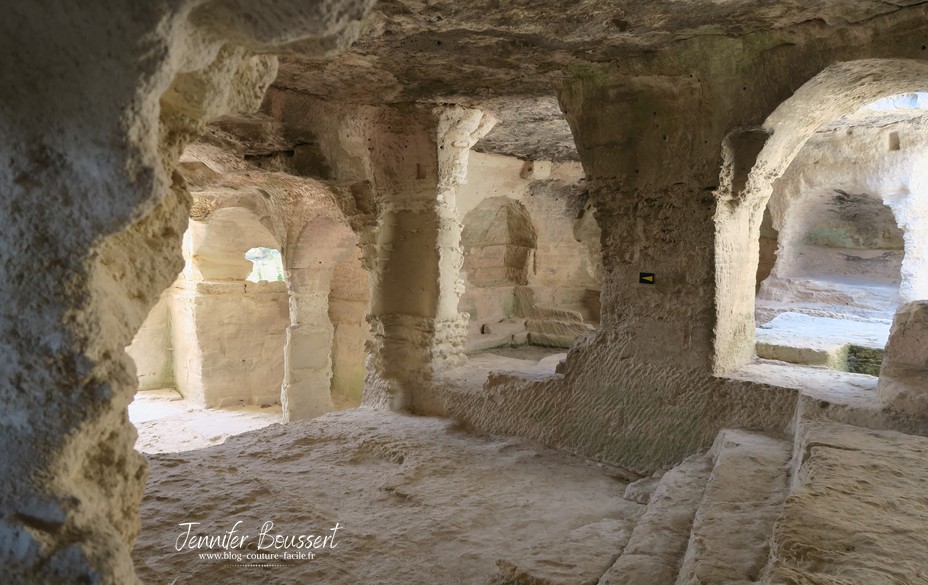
93,123
499,243
209,356
826,214
831,294
532,264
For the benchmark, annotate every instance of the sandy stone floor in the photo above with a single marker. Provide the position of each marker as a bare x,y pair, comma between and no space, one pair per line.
167,423
411,500
859,511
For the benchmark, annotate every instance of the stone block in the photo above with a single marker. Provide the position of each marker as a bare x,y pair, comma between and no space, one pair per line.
904,377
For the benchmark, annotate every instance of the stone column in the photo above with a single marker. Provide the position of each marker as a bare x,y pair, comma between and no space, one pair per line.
911,212
737,240
306,391
652,176
415,323
903,384
310,260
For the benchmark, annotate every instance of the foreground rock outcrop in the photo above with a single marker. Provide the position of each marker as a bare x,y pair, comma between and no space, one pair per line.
905,367
93,124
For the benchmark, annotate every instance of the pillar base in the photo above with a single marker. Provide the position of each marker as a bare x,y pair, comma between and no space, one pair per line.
404,355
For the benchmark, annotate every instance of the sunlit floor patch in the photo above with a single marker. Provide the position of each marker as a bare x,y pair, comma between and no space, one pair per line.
167,423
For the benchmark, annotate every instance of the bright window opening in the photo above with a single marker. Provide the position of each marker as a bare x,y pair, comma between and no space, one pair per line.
268,265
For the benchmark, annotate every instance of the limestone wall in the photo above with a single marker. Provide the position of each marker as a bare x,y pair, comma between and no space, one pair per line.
229,341
214,336
93,125
904,376
645,385
567,273
349,301
672,196
99,100
152,349
754,157
229,332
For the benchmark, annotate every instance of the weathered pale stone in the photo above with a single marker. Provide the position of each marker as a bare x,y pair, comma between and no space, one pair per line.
903,382
641,490
804,339
151,349
522,229
310,261
657,544
536,170
414,303
348,306
228,342
848,221
93,124
674,110
381,470
743,498
854,509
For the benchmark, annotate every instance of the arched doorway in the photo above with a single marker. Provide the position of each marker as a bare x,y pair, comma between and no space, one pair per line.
755,159
209,356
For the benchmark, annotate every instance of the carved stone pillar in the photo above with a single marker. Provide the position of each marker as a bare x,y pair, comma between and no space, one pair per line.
415,323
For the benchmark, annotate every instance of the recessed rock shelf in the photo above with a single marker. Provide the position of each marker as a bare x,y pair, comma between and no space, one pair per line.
846,345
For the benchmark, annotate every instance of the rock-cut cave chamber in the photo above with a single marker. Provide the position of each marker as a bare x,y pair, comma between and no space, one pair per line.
430,292
251,313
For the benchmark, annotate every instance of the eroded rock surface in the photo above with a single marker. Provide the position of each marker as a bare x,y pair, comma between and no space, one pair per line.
93,125
418,501
903,376
856,515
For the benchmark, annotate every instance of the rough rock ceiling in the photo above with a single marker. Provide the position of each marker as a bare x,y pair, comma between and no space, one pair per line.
481,52
530,128
428,49
876,119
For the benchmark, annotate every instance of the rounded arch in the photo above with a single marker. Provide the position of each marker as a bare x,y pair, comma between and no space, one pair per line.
322,240
754,158
838,90
215,246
